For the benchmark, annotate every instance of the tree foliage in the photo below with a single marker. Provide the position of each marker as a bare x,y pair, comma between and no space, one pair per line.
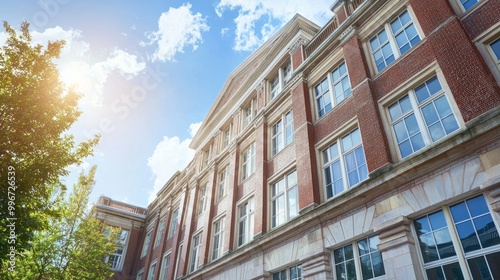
36,112
74,245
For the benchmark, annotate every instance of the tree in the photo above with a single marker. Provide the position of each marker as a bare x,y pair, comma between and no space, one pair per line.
36,149
74,245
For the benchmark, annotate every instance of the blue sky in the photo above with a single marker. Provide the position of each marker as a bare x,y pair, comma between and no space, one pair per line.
149,72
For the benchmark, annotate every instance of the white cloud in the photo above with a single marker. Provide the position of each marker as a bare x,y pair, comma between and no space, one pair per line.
178,28
224,31
250,32
79,69
170,155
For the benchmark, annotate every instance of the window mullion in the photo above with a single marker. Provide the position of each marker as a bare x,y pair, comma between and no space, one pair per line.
357,260
343,166
392,41
420,119
331,89
457,244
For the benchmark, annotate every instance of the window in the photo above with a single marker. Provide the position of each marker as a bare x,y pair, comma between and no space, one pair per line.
467,4
344,164
293,273
495,50
218,239
152,270
246,220
202,200
227,136
393,40
165,264
333,89
179,255
282,132
116,259
147,240
223,182
173,223
467,225
370,263
248,113
281,79
249,161
195,253
285,199
421,117
161,228
206,157
139,274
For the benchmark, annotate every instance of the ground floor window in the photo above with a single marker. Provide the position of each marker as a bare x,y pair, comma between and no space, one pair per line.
461,233
292,273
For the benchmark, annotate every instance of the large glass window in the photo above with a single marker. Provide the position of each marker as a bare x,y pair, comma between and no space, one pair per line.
249,161
393,40
282,132
467,4
218,239
147,241
285,199
370,263
246,222
165,264
173,223
223,182
495,49
281,79
152,271
477,237
333,89
195,253
116,259
202,200
344,164
159,234
292,273
421,117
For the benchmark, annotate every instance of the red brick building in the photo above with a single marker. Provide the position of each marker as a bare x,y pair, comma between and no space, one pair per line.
367,148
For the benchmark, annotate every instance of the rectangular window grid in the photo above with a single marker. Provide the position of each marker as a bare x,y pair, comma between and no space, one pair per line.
223,182
173,223
218,244
151,273
292,273
165,266
147,240
246,222
285,199
282,132
344,164
161,228
249,161
195,253
333,89
116,259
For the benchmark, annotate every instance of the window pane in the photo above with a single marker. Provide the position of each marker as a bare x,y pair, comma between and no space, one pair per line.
437,220
477,206
363,247
495,46
400,131
459,212
430,114
378,264
366,267
435,273
488,234
468,236
493,263
453,271
468,3
479,268
444,243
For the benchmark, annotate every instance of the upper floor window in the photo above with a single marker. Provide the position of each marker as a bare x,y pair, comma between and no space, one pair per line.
344,164
467,225
249,161
206,156
116,259
292,273
467,4
248,113
147,241
393,40
495,49
370,263
282,132
195,253
159,234
173,223
281,79
218,239
227,136
165,264
246,221
333,89
202,200
421,117
223,182
152,271
285,199
139,274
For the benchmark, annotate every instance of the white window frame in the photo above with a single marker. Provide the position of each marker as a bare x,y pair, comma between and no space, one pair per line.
159,233
165,264
248,113
286,274
227,135
341,157
282,133
152,270
280,80
330,90
219,227
118,258
177,261
284,196
195,252
202,200
494,56
460,256
223,181
147,242
392,40
416,111
174,220
357,257
246,221
248,164
140,274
